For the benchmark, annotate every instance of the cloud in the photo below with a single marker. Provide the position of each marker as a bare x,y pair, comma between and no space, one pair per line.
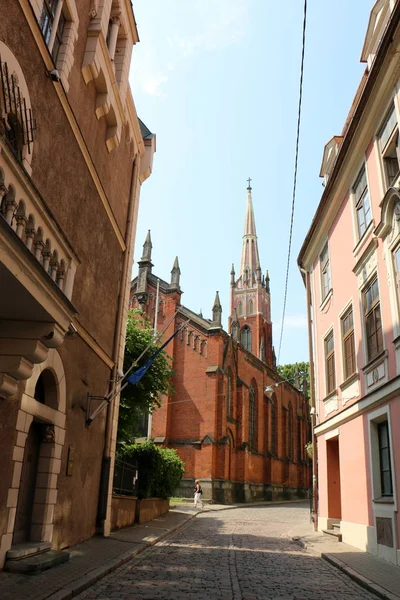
152,84
201,26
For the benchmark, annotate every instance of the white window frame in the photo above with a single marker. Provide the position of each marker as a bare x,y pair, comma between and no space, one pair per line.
329,334
383,150
325,267
374,419
360,235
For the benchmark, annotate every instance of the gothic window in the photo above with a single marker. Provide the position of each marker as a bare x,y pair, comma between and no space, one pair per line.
252,418
290,433
246,338
273,426
229,395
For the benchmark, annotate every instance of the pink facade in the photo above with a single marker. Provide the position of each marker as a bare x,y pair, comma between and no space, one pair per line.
350,262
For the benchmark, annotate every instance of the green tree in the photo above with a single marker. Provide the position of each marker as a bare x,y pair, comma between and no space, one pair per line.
144,396
296,373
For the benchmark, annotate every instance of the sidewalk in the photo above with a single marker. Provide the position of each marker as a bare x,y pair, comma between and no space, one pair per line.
373,573
91,560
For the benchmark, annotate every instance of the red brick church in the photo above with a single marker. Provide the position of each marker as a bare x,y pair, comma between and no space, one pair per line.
244,443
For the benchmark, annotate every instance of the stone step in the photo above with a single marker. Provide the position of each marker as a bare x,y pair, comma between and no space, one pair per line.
336,526
335,534
27,549
37,563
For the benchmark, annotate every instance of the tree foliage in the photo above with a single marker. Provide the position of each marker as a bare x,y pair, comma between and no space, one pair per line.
160,469
296,373
144,396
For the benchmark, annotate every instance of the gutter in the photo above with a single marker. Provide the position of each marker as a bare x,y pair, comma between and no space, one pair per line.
359,110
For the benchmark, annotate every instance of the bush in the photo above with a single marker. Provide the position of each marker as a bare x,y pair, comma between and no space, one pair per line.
160,469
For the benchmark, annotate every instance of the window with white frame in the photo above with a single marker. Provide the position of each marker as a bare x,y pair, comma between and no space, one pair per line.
389,146
385,467
52,22
330,363
325,272
362,202
349,353
372,319
382,471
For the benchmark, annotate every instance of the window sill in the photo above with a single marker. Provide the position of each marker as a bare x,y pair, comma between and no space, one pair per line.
331,394
349,380
373,362
384,500
326,299
363,239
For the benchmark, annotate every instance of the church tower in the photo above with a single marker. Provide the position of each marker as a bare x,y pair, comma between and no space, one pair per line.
250,308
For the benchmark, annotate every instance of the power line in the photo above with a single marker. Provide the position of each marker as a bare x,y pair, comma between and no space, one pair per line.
295,172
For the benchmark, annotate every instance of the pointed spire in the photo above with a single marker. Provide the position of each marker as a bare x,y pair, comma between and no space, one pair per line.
250,257
147,246
175,273
217,310
258,272
232,275
267,281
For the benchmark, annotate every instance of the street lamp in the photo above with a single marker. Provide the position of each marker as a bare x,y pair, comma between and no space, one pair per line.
269,390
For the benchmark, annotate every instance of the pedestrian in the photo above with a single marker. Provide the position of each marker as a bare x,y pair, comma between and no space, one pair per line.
197,494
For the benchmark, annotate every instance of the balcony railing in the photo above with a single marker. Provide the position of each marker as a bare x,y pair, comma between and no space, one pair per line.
26,214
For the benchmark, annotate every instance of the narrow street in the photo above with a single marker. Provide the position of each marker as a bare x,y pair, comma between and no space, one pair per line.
242,554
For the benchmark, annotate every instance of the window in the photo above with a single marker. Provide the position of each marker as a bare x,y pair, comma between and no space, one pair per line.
290,433
384,459
389,147
252,418
229,395
325,272
52,23
274,426
349,354
361,197
396,261
330,363
372,319
251,307
246,338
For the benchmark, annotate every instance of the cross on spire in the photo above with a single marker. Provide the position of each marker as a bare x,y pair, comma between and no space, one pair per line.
249,182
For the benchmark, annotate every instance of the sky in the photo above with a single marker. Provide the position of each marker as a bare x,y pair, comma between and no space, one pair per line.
217,81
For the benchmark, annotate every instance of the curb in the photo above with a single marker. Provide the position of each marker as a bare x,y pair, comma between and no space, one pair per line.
244,505
73,589
360,579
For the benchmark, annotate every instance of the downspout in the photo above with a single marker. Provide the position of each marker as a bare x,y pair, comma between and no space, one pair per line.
105,491
313,403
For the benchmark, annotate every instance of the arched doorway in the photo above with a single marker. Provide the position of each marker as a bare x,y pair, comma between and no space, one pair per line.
27,486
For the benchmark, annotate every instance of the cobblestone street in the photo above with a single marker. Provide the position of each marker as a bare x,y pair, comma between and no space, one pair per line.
243,554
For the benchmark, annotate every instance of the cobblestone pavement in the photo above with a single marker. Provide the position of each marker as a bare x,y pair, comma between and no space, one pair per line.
243,554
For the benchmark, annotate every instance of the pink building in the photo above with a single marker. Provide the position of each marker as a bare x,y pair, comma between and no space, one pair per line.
350,262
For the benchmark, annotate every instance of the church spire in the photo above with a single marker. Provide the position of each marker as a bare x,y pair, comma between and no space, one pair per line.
175,273
147,247
250,258
217,310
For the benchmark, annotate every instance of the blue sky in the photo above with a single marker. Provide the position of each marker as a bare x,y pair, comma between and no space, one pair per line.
217,81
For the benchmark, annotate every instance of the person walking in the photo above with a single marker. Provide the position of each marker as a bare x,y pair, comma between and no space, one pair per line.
197,494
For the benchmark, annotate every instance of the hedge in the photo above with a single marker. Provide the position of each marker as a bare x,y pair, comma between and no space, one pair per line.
160,469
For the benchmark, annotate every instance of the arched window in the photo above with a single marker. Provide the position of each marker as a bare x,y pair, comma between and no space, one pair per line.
246,338
273,436
290,433
251,309
240,309
252,418
229,395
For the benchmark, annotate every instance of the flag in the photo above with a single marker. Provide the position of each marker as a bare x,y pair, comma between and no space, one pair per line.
138,374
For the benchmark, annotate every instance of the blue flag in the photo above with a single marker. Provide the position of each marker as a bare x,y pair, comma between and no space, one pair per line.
138,374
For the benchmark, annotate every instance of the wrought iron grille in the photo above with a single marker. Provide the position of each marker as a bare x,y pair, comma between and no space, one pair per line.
125,477
16,122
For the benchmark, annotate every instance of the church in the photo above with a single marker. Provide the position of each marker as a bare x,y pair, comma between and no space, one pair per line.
236,425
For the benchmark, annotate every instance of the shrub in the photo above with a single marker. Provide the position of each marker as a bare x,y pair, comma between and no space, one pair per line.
160,469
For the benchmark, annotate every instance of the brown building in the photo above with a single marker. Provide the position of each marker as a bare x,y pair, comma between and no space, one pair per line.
73,156
243,440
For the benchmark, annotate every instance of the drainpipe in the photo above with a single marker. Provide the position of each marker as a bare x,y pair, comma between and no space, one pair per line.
313,403
105,492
